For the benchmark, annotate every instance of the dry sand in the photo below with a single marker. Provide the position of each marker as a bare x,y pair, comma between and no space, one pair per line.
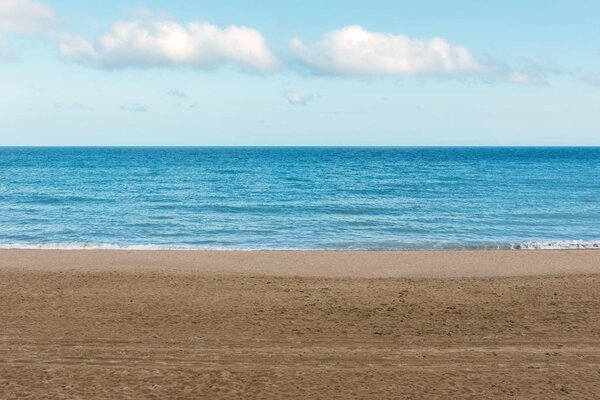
401,325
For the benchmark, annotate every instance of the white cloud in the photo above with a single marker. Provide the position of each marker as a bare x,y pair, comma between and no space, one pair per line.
143,42
151,43
355,51
148,41
296,99
26,16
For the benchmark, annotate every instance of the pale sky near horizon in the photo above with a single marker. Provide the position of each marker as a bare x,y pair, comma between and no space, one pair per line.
125,72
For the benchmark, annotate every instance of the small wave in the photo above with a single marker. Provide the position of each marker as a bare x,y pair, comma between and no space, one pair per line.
89,246
42,199
557,244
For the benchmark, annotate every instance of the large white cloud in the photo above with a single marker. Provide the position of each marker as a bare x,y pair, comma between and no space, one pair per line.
150,43
26,16
355,51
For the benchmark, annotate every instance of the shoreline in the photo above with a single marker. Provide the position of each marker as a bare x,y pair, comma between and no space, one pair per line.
490,246
313,263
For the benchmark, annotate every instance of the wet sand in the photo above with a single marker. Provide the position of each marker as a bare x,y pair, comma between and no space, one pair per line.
398,325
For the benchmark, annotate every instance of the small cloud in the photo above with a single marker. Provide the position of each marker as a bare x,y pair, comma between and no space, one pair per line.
73,106
524,78
81,107
135,107
176,93
296,99
592,79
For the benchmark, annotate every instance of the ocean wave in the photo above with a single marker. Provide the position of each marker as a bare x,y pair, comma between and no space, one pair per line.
557,244
89,246
337,246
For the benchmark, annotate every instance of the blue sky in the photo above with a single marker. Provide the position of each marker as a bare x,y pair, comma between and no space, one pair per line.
301,73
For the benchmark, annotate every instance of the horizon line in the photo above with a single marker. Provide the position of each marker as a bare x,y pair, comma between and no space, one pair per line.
300,146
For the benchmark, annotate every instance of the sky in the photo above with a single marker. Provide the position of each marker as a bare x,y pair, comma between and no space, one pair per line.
311,73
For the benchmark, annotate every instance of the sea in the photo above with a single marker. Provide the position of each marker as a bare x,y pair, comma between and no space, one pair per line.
271,198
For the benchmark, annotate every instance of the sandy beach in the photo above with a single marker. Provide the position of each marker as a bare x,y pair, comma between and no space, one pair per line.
292,324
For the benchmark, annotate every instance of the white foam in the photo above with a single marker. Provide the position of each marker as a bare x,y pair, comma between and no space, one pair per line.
558,244
89,246
532,245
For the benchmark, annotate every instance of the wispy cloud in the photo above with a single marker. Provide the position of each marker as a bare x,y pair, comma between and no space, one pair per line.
5,51
528,70
592,79
80,107
176,93
73,106
148,42
28,17
135,107
296,99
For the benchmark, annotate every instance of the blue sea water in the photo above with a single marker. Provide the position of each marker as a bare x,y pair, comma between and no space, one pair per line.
300,198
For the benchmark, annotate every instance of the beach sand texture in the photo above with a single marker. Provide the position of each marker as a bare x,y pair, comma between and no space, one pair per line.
317,325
